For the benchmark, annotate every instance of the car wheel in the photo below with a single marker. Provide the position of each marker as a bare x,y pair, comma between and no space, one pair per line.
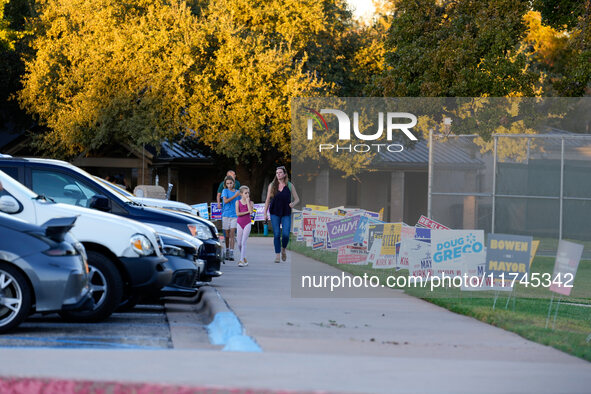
107,290
15,297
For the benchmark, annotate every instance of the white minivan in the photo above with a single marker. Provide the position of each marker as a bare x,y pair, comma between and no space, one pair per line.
124,255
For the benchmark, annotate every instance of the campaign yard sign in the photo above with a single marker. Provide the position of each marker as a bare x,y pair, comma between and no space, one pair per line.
362,232
320,229
423,234
296,225
216,213
341,232
498,284
253,215
350,254
432,224
407,233
260,212
375,232
317,207
419,259
374,251
373,215
300,236
341,212
508,255
565,268
308,225
449,246
203,210
419,254
473,266
354,212
377,260
318,244
390,238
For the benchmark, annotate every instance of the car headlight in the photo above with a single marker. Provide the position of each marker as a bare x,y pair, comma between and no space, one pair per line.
171,250
141,245
199,230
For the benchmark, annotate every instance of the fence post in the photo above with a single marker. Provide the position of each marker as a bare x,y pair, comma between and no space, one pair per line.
494,185
430,174
561,187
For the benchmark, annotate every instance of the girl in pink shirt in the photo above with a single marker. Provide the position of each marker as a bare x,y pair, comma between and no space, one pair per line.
243,210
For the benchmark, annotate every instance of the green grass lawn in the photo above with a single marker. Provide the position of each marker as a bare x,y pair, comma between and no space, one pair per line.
525,314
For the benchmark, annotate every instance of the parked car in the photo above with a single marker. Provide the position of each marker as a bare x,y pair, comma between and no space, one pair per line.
42,269
187,267
124,256
150,202
183,253
68,184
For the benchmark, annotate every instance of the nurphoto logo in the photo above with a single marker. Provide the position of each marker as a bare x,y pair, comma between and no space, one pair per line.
393,124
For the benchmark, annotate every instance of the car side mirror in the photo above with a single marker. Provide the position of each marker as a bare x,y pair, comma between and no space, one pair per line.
73,191
100,202
9,204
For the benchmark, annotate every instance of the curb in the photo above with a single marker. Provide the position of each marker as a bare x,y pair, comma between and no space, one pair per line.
225,328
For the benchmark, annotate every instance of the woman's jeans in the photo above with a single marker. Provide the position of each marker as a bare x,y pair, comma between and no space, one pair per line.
280,238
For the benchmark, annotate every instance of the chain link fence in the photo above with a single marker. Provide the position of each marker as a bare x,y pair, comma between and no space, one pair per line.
538,184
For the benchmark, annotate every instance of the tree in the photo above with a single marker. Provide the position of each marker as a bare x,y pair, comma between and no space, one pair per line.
108,70
368,49
258,55
8,36
250,65
457,48
576,73
11,66
219,72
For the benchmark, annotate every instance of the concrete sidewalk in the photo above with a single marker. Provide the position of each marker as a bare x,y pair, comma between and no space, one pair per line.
395,326
396,344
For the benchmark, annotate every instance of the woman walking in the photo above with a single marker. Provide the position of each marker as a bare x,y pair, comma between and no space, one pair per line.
243,210
281,198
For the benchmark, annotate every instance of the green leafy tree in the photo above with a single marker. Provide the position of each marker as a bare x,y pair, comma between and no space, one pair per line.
10,65
457,48
575,76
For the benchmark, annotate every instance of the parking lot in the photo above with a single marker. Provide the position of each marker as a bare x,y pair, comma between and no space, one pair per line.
146,327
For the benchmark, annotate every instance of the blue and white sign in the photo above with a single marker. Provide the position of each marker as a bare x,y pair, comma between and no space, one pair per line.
203,210
448,248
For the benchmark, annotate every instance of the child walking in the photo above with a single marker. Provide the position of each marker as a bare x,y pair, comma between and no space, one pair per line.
229,218
244,209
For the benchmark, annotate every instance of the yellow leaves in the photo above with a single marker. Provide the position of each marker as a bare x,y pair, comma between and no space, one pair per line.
110,71
256,66
510,149
141,71
546,42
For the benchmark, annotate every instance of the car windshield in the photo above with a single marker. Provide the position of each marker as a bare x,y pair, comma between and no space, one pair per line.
12,186
85,174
